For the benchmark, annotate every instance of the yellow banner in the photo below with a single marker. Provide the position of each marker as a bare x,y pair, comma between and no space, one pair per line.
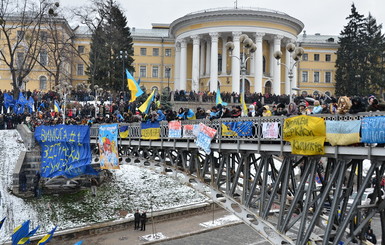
306,134
151,134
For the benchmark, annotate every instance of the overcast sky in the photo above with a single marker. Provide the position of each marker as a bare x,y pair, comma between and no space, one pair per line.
319,16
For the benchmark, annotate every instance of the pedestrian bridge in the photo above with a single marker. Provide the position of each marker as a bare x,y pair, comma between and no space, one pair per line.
287,198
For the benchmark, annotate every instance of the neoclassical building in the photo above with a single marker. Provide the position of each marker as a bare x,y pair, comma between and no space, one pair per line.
195,57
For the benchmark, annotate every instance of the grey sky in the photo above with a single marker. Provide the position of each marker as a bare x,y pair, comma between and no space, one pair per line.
319,16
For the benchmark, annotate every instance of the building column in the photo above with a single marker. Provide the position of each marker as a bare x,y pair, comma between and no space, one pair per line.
224,56
208,56
277,67
288,62
195,63
235,63
177,67
202,59
183,64
214,62
258,63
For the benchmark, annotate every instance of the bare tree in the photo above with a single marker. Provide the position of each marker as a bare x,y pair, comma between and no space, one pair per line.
20,27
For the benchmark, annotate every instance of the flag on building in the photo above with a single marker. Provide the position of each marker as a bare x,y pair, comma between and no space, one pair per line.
133,86
47,237
146,105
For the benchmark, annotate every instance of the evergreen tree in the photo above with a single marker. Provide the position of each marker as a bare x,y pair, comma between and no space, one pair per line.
349,56
164,99
112,36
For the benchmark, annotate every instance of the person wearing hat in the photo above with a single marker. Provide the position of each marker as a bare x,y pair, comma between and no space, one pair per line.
266,111
251,111
303,110
317,109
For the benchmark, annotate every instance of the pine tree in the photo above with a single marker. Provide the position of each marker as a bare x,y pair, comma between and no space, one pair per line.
350,56
112,36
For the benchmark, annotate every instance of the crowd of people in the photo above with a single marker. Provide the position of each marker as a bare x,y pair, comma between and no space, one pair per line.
114,108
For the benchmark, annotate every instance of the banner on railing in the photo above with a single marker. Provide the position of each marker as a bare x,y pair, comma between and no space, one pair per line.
306,134
123,132
65,150
190,131
373,130
150,130
240,129
343,132
108,146
175,129
206,134
270,130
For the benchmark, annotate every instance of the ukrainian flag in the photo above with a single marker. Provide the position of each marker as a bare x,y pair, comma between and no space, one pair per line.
218,99
146,105
20,232
123,132
2,222
47,237
343,132
25,240
56,107
133,86
243,104
150,130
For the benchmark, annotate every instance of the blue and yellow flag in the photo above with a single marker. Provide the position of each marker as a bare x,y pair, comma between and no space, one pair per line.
343,132
218,99
2,222
20,232
146,105
47,237
25,240
150,130
133,86
123,132
243,104
56,107
237,129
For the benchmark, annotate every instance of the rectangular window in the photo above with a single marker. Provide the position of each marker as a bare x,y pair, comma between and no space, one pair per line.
143,71
155,71
304,76
43,57
80,70
20,35
20,59
43,36
81,49
143,51
328,77
168,52
328,57
305,57
155,52
316,57
316,76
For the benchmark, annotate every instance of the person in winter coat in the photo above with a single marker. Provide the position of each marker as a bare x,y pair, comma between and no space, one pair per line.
317,109
143,219
292,109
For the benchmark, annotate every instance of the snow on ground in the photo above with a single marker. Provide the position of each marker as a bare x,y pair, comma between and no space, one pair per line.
131,188
152,237
229,219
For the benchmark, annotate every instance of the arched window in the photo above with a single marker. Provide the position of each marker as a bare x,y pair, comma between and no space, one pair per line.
43,83
268,87
154,87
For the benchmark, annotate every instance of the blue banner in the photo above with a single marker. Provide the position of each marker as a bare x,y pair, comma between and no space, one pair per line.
238,129
373,130
8,101
65,150
108,146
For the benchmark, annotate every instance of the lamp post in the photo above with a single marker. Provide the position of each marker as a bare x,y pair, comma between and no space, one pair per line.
123,54
98,92
296,54
168,70
64,89
249,48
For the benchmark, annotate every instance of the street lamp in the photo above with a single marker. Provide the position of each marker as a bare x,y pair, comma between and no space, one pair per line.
168,70
296,54
123,54
98,92
64,89
249,48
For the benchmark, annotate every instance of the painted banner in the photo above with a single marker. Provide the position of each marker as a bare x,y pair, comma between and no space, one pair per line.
124,132
270,130
188,131
150,130
175,129
237,129
108,146
373,130
206,134
65,150
306,134
343,132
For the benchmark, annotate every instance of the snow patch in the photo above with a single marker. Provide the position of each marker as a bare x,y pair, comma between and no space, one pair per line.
152,237
229,219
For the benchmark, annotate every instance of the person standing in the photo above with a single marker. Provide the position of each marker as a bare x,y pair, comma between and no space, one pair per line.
36,185
371,237
136,220
143,219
